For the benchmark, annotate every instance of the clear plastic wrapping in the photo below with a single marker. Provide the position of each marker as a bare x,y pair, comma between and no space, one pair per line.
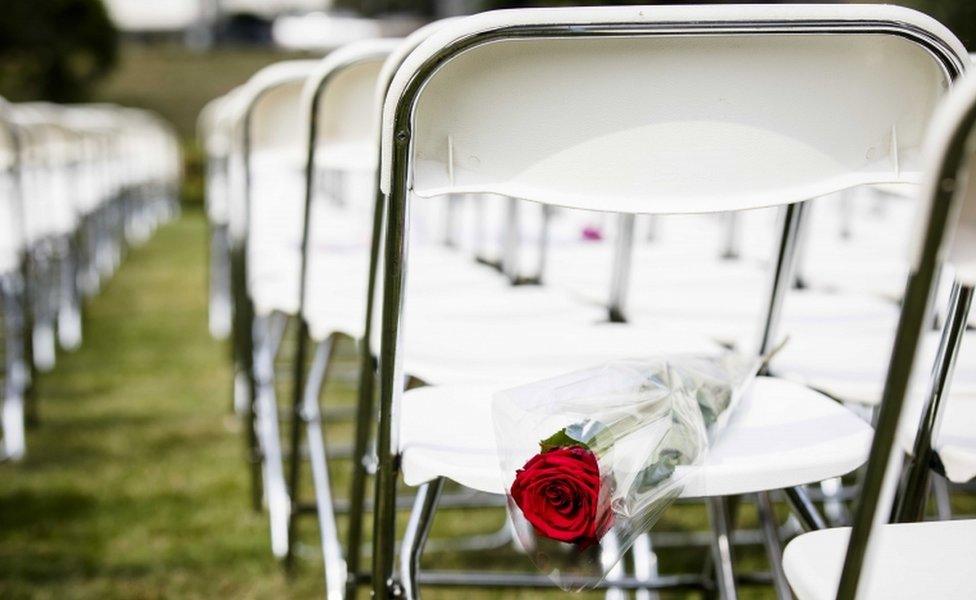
592,459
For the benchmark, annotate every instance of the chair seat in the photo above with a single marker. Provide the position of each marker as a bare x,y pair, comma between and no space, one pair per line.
850,362
444,285
781,435
731,315
955,442
273,280
584,269
913,561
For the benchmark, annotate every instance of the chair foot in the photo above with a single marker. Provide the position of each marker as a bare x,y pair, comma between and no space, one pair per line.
773,544
418,529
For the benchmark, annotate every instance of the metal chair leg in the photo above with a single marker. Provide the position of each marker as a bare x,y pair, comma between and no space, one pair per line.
269,440
804,509
834,506
940,493
69,308
774,547
333,561
365,401
722,559
14,371
418,529
360,469
911,505
299,418
219,314
620,277
645,565
730,247
611,550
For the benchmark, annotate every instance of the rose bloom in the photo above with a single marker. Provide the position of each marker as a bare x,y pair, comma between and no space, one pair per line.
559,494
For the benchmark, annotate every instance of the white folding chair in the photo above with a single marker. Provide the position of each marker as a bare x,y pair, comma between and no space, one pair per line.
910,560
265,229
63,179
215,139
726,133
93,127
48,221
338,148
14,367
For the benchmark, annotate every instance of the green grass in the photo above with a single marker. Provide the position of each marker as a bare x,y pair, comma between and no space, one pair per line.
134,485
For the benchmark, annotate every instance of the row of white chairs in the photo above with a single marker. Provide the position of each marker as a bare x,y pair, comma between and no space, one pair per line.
78,184
547,171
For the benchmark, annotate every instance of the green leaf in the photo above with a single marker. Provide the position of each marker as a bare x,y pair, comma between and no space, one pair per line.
560,439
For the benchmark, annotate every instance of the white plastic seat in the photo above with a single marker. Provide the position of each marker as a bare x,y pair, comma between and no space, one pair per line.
782,435
729,311
914,560
11,234
849,361
455,287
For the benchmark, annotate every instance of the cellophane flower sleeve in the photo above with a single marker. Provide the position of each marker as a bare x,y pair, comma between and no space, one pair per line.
592,459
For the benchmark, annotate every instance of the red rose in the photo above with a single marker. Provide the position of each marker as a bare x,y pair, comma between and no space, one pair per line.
558,492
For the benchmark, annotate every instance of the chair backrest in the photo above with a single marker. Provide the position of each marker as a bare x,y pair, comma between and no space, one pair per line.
206,127
670,109
267,130
947,218
11,226
338,103
45,178
216,132
340,96
61,154
960,245
273,116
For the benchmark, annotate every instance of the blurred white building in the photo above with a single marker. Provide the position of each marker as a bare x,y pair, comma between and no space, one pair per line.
171,16
148,16
292,24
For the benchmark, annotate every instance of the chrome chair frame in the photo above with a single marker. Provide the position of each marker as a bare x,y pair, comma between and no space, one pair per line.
910,506
255,345
382,579
879,482
305,395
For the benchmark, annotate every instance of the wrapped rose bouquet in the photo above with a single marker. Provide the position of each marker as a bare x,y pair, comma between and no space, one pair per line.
593,458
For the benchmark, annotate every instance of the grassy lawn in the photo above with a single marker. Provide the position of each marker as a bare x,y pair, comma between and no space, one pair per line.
134,485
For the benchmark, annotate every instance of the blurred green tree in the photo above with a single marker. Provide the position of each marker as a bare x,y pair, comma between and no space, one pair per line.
54,49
